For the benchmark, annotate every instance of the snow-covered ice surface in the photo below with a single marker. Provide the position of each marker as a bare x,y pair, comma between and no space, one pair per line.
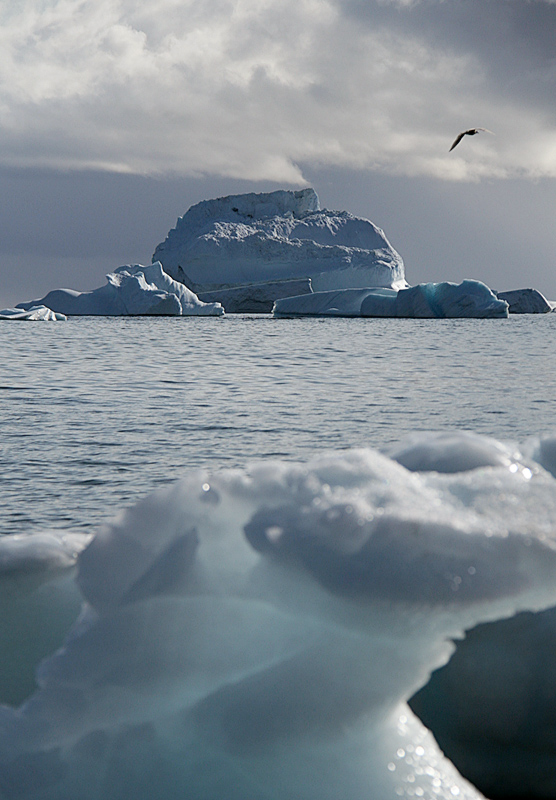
468,299
256,633
34,313
283,235
132,290
454,451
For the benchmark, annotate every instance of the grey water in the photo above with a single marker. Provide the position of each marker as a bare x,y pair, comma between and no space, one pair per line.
96,412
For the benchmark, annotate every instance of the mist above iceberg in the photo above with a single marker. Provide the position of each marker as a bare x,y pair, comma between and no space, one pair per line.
282,235
257,633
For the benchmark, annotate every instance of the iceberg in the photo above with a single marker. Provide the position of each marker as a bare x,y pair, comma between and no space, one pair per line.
283,235
257,633
448,300
338,303
468,299
256,298
526,301
36,311
132,290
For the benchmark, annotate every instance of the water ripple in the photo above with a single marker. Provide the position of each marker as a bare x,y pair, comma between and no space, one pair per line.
97,412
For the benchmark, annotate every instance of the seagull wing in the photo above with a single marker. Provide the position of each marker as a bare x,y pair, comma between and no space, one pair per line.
457,140
471,132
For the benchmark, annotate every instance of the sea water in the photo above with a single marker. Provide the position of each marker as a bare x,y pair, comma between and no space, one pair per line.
97,412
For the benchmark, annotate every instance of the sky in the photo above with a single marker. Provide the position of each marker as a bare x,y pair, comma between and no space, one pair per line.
117,116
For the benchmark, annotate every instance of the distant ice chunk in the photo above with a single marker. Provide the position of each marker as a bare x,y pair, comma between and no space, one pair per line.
284,235
525,301
423,301
448,300
379,303
35,312
256,298
130,291
257,633
338,303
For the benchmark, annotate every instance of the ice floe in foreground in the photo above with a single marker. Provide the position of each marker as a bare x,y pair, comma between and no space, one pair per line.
39,602
257,633
423,301
132,290
492,707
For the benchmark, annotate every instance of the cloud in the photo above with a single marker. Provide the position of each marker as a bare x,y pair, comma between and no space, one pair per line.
252,88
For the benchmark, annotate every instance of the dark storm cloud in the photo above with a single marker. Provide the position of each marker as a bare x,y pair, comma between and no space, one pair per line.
69,229
513,40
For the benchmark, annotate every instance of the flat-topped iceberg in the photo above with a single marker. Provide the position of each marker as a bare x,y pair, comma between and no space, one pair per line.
423,301
132,290
282,235
34,313
257,633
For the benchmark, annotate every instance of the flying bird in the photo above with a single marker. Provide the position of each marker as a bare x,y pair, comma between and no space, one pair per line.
470,132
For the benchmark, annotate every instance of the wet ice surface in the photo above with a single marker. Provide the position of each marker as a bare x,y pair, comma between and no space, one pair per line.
258,632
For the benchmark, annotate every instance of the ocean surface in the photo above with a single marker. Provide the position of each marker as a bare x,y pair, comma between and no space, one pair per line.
97,412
